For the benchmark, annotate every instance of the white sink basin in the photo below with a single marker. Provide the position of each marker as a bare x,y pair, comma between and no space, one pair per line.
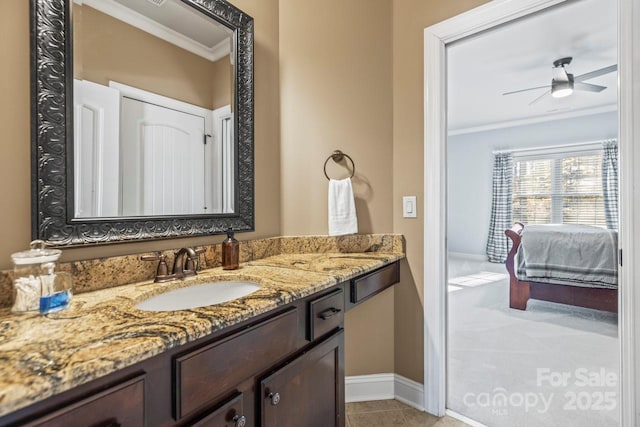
198,296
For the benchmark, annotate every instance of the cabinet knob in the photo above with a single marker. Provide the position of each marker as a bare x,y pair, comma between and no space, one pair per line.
275,398
240,420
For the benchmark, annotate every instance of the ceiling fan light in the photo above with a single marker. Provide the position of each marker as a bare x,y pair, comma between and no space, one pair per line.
561,93
561,89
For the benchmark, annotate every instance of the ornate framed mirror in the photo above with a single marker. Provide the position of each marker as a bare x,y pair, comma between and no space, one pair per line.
142,120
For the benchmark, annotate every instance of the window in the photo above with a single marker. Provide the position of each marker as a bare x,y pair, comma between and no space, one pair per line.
558,188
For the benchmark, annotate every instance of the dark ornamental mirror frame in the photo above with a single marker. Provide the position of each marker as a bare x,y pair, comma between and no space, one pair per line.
52,138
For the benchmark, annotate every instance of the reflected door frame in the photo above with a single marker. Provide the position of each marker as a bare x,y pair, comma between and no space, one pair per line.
436,38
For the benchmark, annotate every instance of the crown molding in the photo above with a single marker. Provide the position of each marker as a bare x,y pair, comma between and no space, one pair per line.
135,19
533,120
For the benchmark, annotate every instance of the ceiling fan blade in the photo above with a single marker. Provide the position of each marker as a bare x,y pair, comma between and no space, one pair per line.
588,87
540,97
526,90
596,73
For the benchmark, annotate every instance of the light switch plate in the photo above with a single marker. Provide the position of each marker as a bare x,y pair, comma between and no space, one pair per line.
409,207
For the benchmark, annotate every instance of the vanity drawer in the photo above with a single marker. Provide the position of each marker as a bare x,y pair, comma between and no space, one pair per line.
201,376
375,282
325,314
121,405
229,414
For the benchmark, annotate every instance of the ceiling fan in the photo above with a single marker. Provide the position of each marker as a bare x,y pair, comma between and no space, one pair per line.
564,83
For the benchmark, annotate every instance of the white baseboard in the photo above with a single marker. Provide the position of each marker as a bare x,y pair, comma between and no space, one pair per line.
472,257
409,392
464,419
363,388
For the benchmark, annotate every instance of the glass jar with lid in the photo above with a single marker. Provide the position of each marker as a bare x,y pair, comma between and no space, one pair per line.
37,285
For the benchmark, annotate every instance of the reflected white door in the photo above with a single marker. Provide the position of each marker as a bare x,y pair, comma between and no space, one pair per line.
220,162
95,150
162,160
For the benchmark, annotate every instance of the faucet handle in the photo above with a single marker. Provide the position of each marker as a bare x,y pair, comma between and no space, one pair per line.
155,256
162,272
193,261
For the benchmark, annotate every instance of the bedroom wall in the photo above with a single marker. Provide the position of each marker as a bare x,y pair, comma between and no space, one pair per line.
470,164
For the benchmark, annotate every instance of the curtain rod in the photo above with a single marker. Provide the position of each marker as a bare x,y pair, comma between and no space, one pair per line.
549,147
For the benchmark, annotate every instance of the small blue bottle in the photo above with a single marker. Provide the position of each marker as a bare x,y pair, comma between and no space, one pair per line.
56,290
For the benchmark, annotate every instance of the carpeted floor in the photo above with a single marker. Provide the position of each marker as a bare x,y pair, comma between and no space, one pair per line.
552,365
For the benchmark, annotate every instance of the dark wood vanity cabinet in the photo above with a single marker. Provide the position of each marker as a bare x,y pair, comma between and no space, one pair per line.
283,368
309,390
119,406
229,414
205,374
368,285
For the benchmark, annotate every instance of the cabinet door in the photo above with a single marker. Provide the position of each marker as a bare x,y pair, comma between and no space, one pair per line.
309,391
204,375
229,414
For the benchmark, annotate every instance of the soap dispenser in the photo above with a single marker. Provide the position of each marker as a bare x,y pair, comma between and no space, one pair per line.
230,252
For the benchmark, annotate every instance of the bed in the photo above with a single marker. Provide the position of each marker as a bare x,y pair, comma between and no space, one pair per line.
567,264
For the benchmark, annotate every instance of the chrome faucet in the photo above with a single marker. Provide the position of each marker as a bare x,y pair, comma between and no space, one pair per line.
185,264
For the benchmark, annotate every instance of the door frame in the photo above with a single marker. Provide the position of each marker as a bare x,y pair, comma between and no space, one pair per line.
436,38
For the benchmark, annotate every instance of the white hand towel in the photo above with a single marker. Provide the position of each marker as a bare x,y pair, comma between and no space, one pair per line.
342,208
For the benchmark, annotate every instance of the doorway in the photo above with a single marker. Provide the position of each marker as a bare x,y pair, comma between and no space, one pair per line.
519,150
436,39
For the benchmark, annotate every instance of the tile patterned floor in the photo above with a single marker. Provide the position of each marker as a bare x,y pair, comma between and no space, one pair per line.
391,413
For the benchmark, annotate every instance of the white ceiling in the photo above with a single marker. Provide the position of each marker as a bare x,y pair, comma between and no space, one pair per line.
173,22
519,55
183,19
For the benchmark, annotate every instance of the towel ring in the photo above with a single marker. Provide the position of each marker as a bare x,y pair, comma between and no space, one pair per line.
337,157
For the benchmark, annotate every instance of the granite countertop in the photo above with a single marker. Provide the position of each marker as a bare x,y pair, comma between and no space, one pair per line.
102,331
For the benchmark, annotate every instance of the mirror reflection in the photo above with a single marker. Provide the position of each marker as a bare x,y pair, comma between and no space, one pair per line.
153,110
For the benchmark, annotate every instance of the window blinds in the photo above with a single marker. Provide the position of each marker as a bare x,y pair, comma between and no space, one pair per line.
559,188
532,191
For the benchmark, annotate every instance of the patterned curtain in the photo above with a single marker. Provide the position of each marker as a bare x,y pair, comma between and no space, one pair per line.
501,205
610,182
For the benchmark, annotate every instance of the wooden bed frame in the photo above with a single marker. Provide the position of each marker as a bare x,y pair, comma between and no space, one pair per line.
520,292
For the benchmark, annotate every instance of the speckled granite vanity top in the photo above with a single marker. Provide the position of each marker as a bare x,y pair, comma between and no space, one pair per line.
102,331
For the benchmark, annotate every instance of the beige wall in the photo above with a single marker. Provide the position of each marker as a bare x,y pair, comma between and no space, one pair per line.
336,93
15,169
344,86
109,49
222,82
410,18
15,175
